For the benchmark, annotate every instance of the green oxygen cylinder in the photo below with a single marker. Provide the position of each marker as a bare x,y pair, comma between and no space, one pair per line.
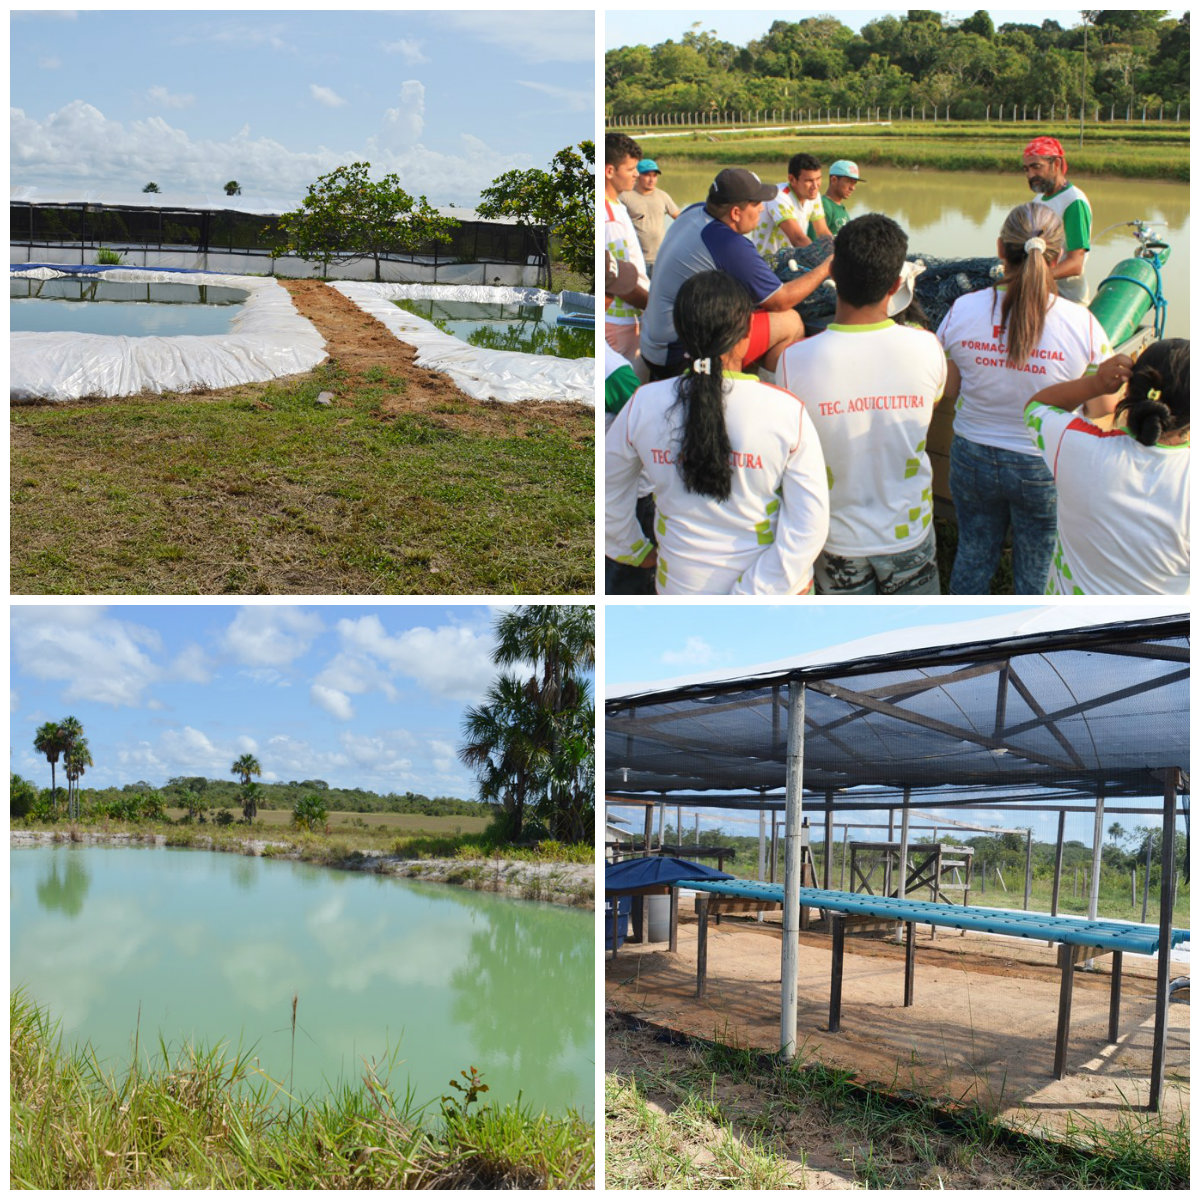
1124,298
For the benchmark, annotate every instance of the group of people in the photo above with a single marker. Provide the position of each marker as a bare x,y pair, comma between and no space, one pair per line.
745,454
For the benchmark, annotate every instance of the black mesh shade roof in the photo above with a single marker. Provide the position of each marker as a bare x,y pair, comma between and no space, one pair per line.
1091,707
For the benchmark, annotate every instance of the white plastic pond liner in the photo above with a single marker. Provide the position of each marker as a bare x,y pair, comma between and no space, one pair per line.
267,338
484,374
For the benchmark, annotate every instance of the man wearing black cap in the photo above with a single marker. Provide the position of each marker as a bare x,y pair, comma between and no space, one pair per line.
711,236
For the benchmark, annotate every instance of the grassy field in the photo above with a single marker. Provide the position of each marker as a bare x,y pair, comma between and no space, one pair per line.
699,1114
412,824
1124,150
261,491
207,1121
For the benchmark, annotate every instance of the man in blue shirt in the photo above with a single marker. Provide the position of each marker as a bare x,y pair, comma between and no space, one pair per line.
712,236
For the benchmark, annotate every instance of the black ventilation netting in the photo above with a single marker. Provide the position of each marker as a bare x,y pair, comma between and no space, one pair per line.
1065,717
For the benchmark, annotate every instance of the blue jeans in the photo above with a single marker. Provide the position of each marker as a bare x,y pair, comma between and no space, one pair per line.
995,490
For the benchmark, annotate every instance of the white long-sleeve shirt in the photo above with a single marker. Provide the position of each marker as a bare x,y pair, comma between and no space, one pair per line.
762,540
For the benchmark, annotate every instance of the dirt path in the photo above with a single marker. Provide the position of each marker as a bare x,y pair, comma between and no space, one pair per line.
359,344
981,1028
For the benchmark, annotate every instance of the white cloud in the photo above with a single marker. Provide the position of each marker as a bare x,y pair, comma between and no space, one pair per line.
567,99
444,756
533,37
94,656
77,153
376,754
696,652
268,636
50,63
160,95
404,124
326,96
191,665
336,703
408,48
451,661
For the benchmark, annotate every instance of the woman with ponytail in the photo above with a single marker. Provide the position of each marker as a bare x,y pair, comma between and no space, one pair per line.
1002,345
1124,495
737,472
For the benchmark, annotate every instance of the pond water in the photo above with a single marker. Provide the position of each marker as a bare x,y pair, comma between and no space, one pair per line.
958,214
528,328
86,304
212,947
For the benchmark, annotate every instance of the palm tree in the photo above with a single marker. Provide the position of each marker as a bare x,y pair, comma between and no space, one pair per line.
501,744
233,188
70,731
152,187
76,761
244,767
558,640
48,741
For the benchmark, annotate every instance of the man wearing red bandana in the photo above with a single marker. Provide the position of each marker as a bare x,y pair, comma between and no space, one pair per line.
1046,173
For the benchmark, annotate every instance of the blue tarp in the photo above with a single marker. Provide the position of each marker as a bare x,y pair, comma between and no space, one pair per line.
635,873
94,268
1074,931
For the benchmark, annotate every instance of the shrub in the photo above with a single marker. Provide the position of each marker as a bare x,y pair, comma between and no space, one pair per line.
108,258
310,813
22,797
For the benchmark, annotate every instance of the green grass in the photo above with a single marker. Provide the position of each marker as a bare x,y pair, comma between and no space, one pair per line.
207,1119
1122,150
704,1114
267,493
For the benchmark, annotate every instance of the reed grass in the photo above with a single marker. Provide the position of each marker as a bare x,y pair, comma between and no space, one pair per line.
209,1119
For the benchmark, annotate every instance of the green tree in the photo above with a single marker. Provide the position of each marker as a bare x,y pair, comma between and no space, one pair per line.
346,216
194,788
152,187
22,796
49,741
244,767
250,795
76,760
310,812
233,188
559,203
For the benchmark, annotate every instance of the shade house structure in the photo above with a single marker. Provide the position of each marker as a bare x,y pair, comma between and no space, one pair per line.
1044,705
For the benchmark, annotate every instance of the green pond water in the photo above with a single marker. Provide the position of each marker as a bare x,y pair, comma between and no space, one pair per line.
212,947
958,214
528,328
94,305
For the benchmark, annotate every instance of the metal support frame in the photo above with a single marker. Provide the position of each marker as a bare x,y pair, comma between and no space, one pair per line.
790,951
1166,906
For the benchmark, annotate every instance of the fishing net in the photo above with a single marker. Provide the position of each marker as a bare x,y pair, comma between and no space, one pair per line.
936,288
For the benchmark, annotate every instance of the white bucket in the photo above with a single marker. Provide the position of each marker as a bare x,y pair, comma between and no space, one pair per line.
658,918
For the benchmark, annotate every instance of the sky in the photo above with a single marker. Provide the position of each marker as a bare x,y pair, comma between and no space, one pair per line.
657,643
631,26
105,101
369,697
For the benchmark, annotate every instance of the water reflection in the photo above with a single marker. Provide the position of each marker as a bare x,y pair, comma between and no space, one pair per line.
64,886
211,948
530,1026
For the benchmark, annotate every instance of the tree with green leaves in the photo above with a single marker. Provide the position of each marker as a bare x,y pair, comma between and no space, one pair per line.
76,760
245,767
233,188
49,741
22,796
346,216
558,204
152,187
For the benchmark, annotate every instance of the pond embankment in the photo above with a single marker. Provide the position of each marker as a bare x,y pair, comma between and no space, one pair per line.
567,883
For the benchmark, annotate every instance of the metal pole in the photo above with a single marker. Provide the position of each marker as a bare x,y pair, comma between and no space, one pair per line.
790,953
1166,905
1146,885
762,852
828,838
1058,857
648,831
1028,867
902,887
1097,848
845,847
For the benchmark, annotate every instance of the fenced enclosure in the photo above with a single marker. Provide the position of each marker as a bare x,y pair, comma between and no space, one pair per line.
229,240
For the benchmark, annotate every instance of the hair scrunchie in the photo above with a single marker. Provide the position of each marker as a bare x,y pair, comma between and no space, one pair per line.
702,366
1153,394
1035,243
